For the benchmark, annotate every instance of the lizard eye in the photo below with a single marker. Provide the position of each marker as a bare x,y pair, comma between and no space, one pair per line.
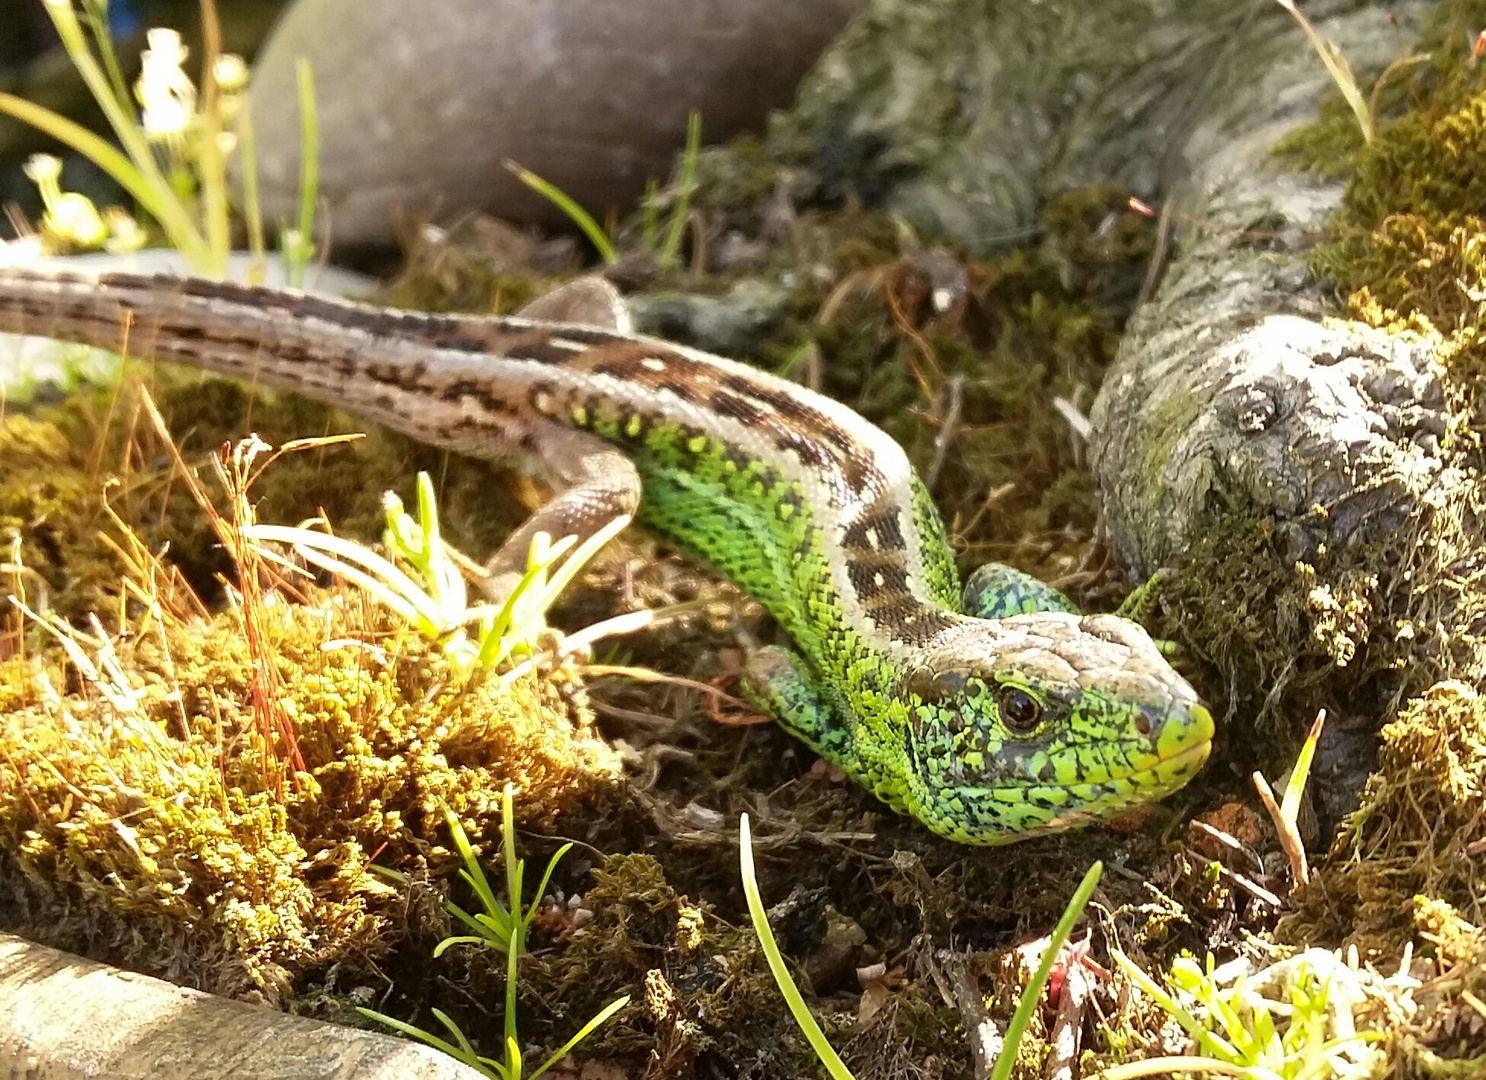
1019,709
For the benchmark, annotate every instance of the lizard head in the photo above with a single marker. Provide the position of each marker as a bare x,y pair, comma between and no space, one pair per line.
1044,721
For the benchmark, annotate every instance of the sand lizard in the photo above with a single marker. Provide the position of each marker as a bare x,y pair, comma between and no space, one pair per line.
991,714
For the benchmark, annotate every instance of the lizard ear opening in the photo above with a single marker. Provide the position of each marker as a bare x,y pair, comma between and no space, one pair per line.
930,685
586,301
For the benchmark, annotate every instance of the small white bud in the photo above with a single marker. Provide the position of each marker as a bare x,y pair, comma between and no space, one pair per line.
231,73
43,169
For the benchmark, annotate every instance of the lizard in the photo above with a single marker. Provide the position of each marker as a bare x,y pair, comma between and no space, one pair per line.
990,714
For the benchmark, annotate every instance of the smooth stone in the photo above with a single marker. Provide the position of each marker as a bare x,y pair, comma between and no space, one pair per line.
421,104
733,324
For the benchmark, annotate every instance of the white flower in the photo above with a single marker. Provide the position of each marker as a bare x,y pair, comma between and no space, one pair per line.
70,218
166,94
125,236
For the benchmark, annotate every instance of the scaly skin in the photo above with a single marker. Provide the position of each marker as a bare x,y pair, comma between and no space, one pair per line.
989,718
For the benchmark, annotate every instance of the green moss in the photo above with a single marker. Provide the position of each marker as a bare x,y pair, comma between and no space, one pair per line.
1329,145
1423,805
157,821
50,510
734,184
145,815
1407,245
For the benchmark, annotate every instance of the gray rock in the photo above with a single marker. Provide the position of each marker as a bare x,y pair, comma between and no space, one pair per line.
732,324
63,1016
420,104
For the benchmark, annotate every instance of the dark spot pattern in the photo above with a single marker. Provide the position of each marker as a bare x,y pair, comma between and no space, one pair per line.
737,408
864,574
538,351
883,524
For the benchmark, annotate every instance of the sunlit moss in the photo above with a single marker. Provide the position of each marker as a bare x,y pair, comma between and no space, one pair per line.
162,820
1424,806
154,824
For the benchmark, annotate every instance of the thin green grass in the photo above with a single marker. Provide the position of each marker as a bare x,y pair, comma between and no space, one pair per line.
1338,67
837,1068
666,251
497,927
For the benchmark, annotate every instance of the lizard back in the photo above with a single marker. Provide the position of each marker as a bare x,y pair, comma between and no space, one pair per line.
739,467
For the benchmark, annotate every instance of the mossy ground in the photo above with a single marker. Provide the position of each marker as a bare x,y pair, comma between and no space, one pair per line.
148,832
138,820
1394,631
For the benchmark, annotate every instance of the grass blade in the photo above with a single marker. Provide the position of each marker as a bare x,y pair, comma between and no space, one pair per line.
583,1033
1032,995
674,228
309,171
782,978
575,213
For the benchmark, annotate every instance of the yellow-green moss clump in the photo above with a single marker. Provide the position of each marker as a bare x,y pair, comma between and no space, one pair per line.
1423,811
142,822
1405,868
137,818
1407,250
1410,238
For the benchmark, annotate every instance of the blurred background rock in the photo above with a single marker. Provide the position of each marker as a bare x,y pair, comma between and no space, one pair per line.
421,104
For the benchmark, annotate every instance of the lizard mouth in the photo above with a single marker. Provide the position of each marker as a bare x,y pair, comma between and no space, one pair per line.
1182,746
1193,755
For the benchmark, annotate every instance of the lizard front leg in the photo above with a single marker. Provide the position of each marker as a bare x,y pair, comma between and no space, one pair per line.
781,684
996,591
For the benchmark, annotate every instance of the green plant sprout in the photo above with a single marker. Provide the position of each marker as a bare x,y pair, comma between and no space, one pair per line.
834,1066
671,246
1286,814
478,636
297,244
1339,69
1240,1032
498,928
665,250
575,213
175,146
